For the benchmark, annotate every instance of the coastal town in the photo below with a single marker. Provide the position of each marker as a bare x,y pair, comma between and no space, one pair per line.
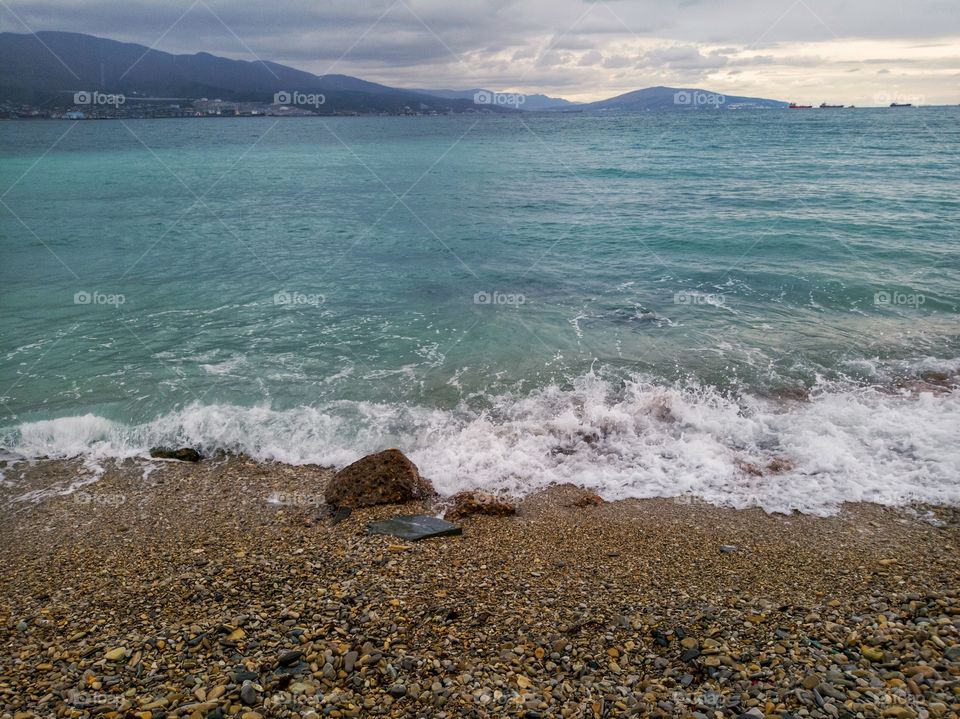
148,108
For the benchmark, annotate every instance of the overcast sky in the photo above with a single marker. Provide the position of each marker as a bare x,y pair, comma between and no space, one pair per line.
860,52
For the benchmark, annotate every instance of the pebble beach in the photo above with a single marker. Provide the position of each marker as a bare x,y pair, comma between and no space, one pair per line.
226,588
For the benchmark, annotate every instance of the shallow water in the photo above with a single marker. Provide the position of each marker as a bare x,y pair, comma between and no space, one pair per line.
609,300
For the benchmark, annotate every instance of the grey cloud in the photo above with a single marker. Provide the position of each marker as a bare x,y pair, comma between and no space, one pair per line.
545,44
681,58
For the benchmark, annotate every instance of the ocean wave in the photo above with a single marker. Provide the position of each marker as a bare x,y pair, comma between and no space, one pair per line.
623,438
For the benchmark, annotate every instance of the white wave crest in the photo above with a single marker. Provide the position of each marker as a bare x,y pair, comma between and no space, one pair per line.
622,439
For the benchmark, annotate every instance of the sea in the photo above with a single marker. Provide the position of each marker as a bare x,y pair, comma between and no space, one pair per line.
749,308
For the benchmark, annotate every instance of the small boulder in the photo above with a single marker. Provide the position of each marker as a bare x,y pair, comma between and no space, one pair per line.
586,499
386,477
184,454
467,503
778,465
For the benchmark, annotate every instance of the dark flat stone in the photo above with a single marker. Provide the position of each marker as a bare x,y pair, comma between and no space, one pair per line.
414,527
291,670
338,514
288,658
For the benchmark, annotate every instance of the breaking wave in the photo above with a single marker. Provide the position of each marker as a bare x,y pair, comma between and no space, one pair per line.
634,437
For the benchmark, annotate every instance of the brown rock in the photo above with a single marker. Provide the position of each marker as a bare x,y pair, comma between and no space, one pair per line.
467,503
386,477
899,712
779,464
587,499
774,466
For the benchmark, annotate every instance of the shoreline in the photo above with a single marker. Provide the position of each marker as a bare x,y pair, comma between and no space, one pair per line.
196,582
163,591
622,440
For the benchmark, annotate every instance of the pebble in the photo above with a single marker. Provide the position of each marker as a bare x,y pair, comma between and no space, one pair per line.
223,614
349,660
248,693
899,712
288,658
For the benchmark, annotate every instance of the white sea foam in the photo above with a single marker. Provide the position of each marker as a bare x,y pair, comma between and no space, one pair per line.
635,438
226,367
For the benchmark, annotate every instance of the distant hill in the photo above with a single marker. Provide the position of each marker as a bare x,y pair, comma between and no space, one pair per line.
530,102
31,73
678,98
45,70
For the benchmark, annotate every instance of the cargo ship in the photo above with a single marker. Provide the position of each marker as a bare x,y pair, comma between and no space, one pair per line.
825,106
795,106
901,104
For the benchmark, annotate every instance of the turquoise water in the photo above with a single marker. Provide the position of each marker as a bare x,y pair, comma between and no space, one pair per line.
310,289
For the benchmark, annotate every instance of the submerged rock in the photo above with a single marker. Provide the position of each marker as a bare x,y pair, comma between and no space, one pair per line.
184,454
414,527
467,503
795,394
386,477
776,465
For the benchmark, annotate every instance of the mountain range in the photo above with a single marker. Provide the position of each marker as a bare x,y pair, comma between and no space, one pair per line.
46,68
530,102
